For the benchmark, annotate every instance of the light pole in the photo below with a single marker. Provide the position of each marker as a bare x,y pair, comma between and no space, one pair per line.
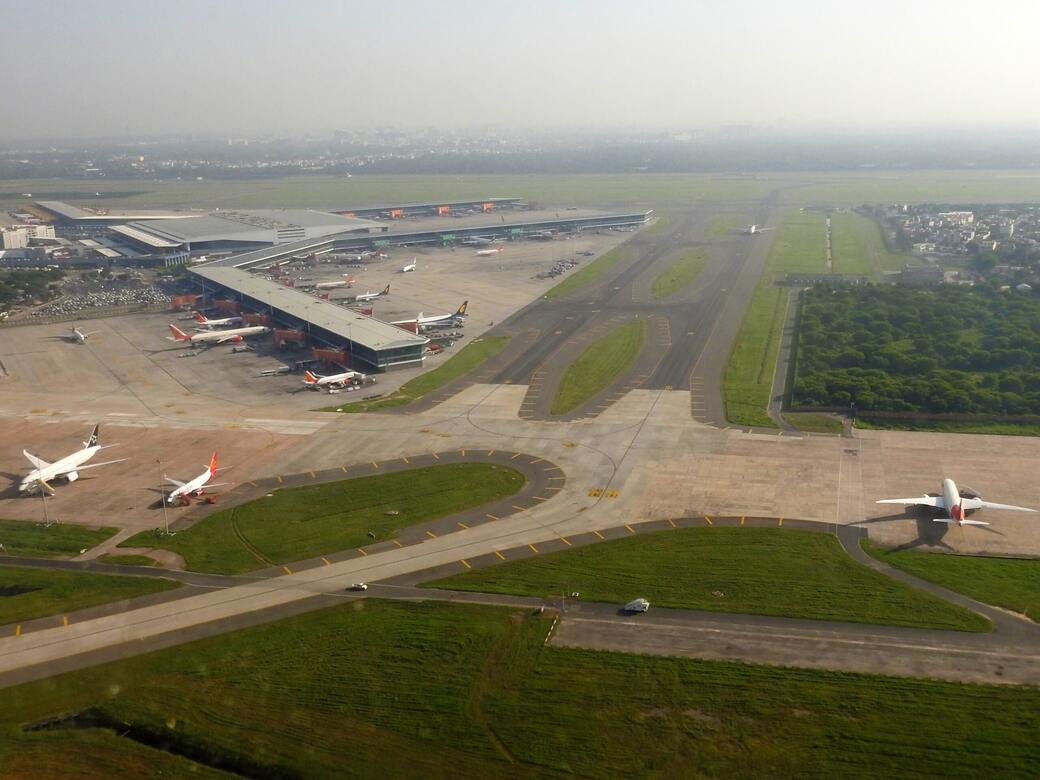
162,498
43,497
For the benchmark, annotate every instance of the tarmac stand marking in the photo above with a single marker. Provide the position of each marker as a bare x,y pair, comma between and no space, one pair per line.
18,630
343,469
397,542
519,508
463,453
279,479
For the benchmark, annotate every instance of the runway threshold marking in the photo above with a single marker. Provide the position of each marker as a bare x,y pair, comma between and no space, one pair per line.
325,561
631,530
601,536
465,563
533,548
500,555
431,534
708,520
491,517
287,570
463,526
362,550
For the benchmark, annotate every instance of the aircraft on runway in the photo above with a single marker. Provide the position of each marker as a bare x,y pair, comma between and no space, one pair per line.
185,491
205,322
332,380
231,336
954,504
490,252
67,468
371,296
76,336
754,230
454,318
410,267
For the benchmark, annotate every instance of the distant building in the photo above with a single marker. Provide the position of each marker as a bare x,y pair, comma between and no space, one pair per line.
39,231
957,217
922,274
16,238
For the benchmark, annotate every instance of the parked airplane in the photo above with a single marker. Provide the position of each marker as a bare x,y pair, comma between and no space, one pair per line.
754,230
67,468
205,322
371,296
230,336
955,505
193,487
410,267
79,337
332,380
437,319
479,241
489,252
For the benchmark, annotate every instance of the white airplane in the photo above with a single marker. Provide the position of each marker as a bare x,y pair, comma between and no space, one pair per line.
67,468
371,296
347,281
222,322
489,252
193,487
332,380
410,267
230,336
79,337
953,504
437,319
754,230
479,241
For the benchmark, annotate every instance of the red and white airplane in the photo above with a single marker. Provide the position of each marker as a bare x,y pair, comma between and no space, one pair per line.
185,491
205,322
490,252
955,505
317,382
230,336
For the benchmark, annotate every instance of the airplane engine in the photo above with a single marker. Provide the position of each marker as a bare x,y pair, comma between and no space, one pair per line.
72,476
236,339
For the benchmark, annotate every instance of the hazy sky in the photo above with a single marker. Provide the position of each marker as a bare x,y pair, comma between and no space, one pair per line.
114,67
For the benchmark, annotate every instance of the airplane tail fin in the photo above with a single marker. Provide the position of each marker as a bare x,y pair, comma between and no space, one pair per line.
461,311
200,318
310,378
179,334
93,440
213,464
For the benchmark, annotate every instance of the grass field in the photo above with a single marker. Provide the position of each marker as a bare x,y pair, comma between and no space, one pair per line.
811,422
382,689
127,560
722,226
762,571
679,274
468,358
947,426
304,522
1004,582
800,246
588,273
598,366
27,594
859,248
60,540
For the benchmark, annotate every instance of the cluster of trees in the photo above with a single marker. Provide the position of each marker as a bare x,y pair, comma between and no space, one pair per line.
902,349
16,286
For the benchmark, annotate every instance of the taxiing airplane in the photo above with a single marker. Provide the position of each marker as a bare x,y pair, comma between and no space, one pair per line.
437,319
410,267
317,382
753,230
955,505
230,336
185,491
489,252
67,468
77,336
205,322
371,296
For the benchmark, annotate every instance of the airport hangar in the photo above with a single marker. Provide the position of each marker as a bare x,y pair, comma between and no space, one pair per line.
369,343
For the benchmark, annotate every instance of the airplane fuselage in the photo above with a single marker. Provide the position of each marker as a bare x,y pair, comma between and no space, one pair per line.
952,500
66,467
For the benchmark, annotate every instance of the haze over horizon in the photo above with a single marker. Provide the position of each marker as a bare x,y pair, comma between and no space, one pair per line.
115,68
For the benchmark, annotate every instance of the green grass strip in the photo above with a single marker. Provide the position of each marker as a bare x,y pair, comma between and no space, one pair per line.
679,274
812,422
598,366
763,571
305,522
58,540
588,273
468,358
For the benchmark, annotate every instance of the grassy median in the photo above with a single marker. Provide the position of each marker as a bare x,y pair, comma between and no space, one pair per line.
443,690
604,361
298,523
679,274
58,540
763,571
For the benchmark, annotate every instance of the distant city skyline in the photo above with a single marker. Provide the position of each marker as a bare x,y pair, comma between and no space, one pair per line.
116,68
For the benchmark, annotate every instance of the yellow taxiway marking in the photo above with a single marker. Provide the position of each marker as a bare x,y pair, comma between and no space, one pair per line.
554,488
18,630
463,453
491,517
287,570
325,561
500,555
780,521
64,620
519,508
533,548
517,455
540,498
708,520
557,479
536,460
362,550
406,460
343,469
552,468
279,480
435,455
375,465
465,563
431,534
398,542
311,473
462,525
631,530
252,483
566,541
601,536
742,520
671,523
490,453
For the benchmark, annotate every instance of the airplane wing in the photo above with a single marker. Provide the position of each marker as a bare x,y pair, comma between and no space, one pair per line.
37,462
173,481
978,503
95,465
209,485
936,501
